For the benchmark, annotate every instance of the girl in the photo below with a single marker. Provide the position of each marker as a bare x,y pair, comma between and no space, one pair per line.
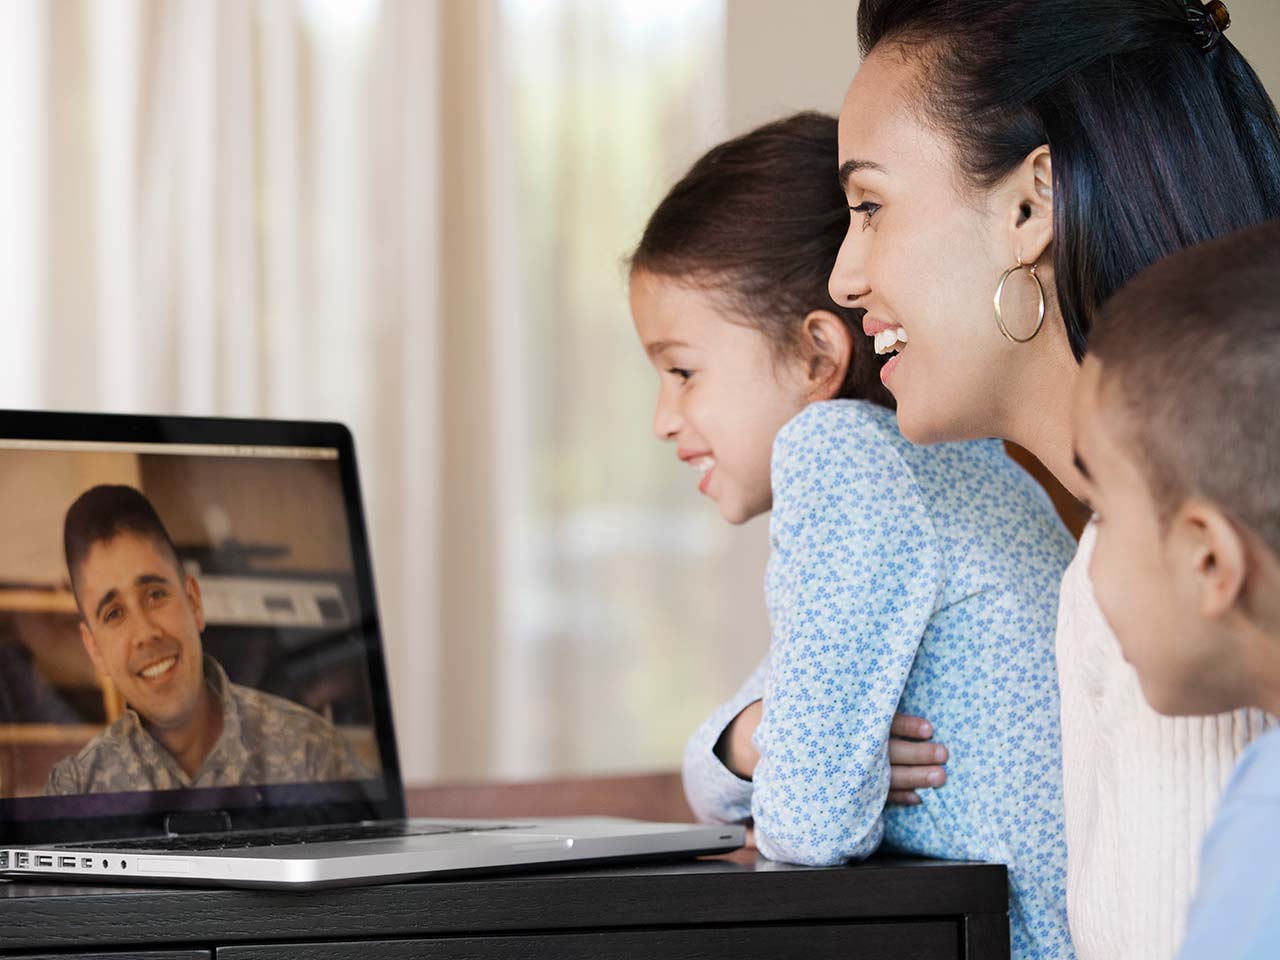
1041,153
898,575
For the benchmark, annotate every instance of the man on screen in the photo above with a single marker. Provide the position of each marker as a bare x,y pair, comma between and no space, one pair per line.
187,725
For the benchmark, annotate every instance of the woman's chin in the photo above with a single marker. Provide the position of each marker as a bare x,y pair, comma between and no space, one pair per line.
928,423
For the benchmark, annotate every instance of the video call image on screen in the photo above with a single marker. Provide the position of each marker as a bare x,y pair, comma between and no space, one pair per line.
177,618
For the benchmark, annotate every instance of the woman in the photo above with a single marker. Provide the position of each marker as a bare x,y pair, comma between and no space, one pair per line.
1040,153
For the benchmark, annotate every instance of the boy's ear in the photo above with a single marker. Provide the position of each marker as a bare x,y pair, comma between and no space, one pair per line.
828,347
1212,553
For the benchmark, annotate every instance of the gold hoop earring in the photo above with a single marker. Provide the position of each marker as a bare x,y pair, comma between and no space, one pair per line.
1004,277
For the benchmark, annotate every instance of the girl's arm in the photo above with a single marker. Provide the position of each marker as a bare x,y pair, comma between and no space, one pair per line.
715,793
855,575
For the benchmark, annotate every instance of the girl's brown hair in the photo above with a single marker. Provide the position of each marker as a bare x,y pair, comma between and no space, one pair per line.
759,220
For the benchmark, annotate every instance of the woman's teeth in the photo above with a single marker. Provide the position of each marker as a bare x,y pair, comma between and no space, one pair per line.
703,464
159,667
887,340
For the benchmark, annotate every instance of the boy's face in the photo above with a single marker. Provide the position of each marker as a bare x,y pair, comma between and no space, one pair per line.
1143,574
142,623
722,394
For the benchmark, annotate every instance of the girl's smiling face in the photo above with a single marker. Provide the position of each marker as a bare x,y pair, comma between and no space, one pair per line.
723,393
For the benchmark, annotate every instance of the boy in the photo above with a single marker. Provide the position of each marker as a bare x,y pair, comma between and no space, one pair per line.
1177,427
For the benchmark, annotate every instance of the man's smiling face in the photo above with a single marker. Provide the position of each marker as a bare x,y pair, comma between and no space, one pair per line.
142,624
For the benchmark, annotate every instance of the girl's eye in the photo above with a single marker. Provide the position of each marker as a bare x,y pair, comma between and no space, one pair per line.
868,210
680,372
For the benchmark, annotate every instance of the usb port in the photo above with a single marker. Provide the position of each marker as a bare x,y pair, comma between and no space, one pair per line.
44,861
86,863
4,859
66,861
22,860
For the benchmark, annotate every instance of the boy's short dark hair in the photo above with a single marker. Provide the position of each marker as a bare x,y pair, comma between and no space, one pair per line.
1191,349
102,513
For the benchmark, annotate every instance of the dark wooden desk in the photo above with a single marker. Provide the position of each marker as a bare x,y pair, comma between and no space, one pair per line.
735,907
884,908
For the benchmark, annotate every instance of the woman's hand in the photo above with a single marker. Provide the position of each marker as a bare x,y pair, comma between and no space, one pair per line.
914,762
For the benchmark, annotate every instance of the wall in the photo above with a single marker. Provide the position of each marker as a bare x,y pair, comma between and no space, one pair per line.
788,57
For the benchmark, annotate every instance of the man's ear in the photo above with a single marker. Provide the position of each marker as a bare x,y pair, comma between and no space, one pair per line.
192,587
91,647
1028,194
828,347
1210,554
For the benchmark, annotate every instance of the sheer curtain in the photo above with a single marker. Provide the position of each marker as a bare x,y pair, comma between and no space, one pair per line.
233,208
407,215
628,606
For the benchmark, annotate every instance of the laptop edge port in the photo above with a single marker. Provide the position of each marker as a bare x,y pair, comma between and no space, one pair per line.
42,861
22,860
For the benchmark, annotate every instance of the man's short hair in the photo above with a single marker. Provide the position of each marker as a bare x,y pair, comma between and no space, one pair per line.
101,514
1191,350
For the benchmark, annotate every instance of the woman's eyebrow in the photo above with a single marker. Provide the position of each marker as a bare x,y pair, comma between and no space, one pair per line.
850,167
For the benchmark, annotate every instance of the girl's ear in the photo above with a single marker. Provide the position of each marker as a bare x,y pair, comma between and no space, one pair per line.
828,346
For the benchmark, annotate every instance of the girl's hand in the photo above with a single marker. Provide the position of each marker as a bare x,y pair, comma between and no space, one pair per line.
914,762
735,749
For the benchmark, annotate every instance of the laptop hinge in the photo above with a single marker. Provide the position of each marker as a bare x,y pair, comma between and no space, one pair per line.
206,821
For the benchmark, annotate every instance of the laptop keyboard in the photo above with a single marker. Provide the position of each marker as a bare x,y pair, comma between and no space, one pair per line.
289,837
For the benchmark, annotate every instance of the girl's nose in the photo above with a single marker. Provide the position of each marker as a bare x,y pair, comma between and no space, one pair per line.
666,421
848,282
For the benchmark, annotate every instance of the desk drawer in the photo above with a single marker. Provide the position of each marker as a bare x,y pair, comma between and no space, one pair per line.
925,940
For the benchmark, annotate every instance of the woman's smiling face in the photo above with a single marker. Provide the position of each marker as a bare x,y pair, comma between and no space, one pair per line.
923,254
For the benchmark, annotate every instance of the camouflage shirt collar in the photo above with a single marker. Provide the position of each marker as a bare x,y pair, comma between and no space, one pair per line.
228,755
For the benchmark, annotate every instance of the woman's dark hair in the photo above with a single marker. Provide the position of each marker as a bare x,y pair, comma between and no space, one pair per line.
759,220
1157,144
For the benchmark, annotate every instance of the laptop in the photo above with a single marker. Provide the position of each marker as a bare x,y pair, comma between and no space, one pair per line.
193,686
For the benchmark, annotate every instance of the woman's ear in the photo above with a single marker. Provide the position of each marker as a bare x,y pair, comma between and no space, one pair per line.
828,346
1210,554
1029,195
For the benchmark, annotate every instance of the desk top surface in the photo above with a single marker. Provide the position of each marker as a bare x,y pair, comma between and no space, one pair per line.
729,889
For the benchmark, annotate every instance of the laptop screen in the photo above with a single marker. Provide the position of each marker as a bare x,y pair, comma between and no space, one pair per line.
188,633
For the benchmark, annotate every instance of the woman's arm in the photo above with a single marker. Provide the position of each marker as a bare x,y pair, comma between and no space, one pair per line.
914,762
855,576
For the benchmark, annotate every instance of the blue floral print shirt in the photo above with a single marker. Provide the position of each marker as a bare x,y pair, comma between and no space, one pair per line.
915,579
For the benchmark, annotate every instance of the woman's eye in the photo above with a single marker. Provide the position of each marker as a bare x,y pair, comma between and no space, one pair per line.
680,372
111,615
868,210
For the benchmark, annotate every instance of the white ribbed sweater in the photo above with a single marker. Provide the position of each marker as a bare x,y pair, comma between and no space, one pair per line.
1140,789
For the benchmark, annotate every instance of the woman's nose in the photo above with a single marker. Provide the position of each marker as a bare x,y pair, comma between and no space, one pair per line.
848,282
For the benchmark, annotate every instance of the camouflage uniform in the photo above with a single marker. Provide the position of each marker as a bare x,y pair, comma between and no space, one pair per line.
264,739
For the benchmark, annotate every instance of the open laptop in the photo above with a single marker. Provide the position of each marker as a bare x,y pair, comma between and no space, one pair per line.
203,698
